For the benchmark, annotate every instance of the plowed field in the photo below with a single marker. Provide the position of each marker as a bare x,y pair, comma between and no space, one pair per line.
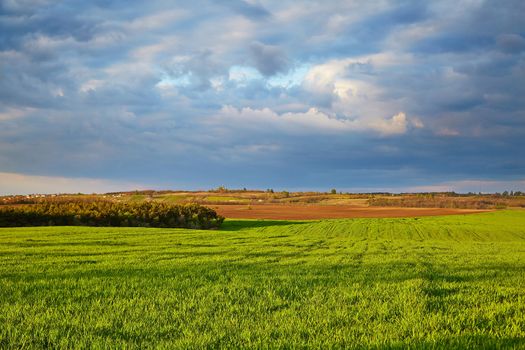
313,212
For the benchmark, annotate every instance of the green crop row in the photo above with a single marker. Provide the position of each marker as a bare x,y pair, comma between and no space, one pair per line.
451,282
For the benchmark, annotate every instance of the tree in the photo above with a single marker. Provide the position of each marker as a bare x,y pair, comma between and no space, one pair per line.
333,191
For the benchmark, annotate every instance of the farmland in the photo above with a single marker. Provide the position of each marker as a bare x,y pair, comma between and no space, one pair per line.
427,282
251,198
316,211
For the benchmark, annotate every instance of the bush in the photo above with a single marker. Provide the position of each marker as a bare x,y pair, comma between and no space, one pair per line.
105,213
419,201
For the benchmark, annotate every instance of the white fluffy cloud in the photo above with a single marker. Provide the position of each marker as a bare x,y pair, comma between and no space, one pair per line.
313,121
353,93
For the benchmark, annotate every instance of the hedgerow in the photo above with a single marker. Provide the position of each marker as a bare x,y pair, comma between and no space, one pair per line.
106,213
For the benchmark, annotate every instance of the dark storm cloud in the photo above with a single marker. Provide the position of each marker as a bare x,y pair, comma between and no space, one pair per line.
455,43
268,59
511,43
264,93
378,25
255,11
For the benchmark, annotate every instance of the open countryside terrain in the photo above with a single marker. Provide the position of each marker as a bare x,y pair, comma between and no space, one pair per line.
429,282
283,205
262,174
315,212
224,196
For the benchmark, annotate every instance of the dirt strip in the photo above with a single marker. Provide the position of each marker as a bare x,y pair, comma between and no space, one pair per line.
312,212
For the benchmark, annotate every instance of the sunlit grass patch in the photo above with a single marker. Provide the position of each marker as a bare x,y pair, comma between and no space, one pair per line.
226,199
433,282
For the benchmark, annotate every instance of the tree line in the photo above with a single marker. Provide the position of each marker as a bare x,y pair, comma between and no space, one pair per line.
107,213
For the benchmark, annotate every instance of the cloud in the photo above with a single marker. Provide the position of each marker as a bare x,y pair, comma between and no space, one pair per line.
268,59
511,43
250,10
395,125
194,71
13,113
447,132
339,92
313,121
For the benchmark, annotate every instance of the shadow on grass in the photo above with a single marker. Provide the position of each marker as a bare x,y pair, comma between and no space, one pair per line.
237,225
467,341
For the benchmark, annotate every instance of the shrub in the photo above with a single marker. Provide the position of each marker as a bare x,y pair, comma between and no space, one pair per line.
105,213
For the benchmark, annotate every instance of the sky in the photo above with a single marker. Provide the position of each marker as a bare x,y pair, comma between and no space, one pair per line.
109,95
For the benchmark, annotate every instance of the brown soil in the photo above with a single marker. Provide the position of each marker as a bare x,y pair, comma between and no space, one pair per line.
312,212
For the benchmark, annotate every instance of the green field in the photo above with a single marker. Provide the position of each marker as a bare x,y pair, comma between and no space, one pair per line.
435,282
175,198
226,199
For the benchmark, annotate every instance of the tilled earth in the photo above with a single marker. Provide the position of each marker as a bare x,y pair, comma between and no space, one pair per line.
313,212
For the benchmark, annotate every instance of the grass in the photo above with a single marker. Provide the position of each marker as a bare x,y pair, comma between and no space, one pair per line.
137,198
434,282
175,198
226,199
190,198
